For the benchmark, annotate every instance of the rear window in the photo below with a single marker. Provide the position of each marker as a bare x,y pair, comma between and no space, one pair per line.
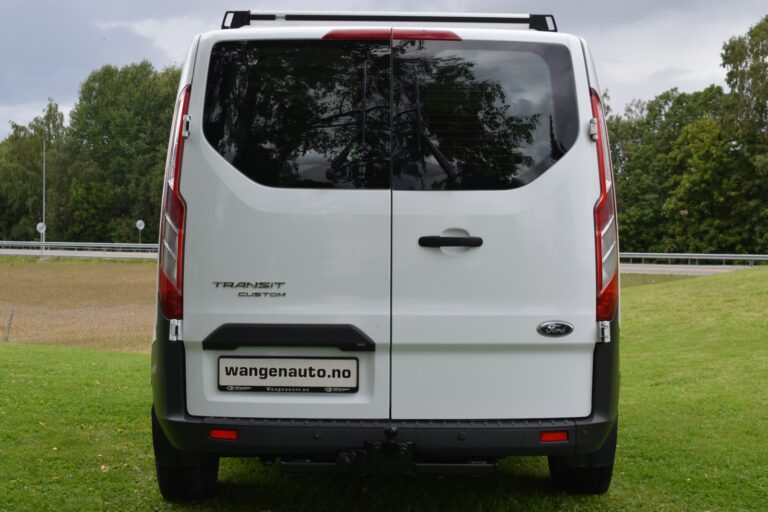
416,115
480,115
301,113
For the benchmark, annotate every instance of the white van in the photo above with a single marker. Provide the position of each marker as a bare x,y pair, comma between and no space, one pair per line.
388,243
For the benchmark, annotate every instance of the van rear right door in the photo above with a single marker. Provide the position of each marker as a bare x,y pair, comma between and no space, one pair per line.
494,185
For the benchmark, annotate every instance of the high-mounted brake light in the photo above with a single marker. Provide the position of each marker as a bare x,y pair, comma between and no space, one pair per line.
358,34
399,34
171,264
385,34
606,228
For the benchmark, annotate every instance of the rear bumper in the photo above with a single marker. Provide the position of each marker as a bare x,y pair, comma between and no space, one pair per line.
430,440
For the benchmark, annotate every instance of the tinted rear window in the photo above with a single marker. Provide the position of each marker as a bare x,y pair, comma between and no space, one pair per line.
480,115
301,113
419,115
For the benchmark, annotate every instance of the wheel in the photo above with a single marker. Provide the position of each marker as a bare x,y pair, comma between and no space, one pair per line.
586,474
182,476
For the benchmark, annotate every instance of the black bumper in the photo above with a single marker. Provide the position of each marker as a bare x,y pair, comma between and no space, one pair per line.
488,439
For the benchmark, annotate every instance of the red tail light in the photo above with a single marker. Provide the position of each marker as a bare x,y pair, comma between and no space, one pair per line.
171,264
606,228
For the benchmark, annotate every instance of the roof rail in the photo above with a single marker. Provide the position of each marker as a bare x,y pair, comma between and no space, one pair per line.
541,22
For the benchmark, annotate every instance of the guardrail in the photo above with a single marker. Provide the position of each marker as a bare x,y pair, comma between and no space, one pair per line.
79,246
629,257
692,258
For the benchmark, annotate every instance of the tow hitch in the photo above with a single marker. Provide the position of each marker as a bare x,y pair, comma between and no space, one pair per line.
379,457
386,457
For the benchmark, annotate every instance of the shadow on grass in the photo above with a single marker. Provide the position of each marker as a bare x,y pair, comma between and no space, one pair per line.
246,484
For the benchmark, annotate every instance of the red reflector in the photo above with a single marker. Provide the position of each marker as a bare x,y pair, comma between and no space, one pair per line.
424,35
227,435
367,34
553,437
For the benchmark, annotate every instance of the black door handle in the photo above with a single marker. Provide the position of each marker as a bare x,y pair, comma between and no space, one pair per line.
450,241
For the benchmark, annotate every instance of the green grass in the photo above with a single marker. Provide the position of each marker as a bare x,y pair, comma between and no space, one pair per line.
74,425
629,280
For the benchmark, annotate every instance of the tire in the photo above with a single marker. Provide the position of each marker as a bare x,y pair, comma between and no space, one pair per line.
182,476
586,474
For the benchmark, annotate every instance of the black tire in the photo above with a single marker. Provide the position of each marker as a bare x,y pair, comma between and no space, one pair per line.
586,474
182,476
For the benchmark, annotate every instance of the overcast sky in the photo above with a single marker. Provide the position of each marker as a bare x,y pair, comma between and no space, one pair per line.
48,47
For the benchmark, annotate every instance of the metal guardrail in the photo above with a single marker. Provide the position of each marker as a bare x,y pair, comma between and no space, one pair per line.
80,246
692,258
629,257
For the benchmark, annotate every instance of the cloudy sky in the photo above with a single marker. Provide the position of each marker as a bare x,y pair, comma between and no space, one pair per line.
48,47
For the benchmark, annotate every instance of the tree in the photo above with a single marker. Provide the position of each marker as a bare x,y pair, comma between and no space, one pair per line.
745,59
641,142
21,179
713,205
119,129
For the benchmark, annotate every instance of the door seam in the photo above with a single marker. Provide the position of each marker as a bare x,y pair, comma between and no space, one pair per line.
391,211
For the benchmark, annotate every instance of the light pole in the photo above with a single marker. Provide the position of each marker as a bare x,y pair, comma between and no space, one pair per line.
43,188
41,225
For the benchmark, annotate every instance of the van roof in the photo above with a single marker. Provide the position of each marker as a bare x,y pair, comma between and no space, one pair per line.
540,22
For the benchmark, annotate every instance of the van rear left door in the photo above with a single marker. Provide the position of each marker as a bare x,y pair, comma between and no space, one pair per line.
287,183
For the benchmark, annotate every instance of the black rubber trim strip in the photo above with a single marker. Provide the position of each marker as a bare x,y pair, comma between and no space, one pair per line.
342,336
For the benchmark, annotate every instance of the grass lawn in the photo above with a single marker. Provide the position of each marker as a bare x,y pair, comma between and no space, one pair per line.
74,424
628,280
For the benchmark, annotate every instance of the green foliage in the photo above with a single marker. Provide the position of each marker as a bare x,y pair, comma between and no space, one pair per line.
691,168
104,170
746,60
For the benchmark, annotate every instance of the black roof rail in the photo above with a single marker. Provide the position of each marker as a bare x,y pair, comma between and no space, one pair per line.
541,22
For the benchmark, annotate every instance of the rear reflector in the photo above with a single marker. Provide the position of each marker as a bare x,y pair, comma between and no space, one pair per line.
224,435
553,437
385,34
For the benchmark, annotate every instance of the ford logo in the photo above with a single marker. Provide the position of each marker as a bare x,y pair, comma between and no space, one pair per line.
555,329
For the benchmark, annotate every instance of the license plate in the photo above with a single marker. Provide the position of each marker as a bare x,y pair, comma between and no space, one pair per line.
288,374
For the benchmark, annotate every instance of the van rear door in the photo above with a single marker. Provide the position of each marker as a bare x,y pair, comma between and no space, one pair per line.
494,184
287,249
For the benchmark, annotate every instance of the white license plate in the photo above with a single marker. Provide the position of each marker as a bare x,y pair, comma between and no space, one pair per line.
288,374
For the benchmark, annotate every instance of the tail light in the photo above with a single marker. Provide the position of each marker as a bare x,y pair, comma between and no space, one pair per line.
606,228
171,264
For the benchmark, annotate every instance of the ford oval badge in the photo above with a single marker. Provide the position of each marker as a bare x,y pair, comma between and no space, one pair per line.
555,329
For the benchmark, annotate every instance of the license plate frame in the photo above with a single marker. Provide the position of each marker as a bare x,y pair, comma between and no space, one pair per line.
262,374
